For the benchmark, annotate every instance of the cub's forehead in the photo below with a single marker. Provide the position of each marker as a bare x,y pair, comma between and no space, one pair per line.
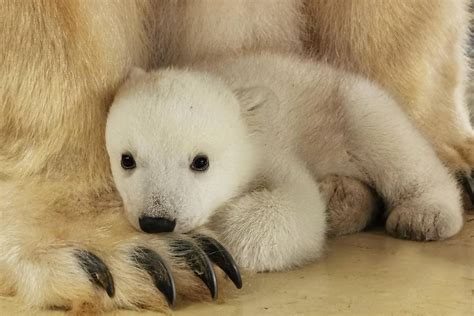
175,94
173,97
170,90
173,106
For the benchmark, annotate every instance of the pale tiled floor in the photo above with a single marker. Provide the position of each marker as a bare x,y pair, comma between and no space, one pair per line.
364,274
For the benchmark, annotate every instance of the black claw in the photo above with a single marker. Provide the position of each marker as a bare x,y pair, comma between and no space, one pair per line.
150,261
198,262
468,184
221,257
98,272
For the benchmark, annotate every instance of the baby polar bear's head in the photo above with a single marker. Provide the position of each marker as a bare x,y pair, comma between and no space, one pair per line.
178,148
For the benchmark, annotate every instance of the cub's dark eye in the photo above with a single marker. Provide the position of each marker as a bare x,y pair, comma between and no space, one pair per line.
200,163
128,162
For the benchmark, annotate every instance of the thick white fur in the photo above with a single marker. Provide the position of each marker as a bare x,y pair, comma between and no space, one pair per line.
272,129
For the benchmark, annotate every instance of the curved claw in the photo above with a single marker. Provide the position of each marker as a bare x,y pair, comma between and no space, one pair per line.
467,182
150,261
197,261
98,272
221,257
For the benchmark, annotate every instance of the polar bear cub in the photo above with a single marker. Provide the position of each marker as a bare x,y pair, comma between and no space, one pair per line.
242,143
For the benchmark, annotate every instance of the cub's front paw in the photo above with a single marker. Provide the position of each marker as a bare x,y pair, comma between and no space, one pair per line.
267,231
424,222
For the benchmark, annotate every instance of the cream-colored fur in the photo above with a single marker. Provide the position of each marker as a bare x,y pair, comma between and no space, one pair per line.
61,62
423,65
306,122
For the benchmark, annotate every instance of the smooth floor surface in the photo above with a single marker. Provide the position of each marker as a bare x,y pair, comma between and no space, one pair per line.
364,274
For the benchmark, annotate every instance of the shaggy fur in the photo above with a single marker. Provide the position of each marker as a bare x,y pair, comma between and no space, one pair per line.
61,62
423,65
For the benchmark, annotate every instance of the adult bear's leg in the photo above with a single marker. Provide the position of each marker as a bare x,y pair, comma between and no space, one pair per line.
415,50
63,238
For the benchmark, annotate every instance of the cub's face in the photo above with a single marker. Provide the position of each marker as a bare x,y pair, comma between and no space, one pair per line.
178,149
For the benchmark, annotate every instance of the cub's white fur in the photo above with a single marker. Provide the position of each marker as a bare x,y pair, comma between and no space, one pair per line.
272,127
164,122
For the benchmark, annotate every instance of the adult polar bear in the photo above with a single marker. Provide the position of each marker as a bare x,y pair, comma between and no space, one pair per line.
61,62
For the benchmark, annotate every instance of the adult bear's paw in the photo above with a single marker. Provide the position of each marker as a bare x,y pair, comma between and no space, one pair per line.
138,272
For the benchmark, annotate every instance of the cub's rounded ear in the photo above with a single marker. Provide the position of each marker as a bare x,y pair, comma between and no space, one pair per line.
256,99
135,73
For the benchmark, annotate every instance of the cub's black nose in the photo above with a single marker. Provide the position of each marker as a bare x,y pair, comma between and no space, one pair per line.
156,224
